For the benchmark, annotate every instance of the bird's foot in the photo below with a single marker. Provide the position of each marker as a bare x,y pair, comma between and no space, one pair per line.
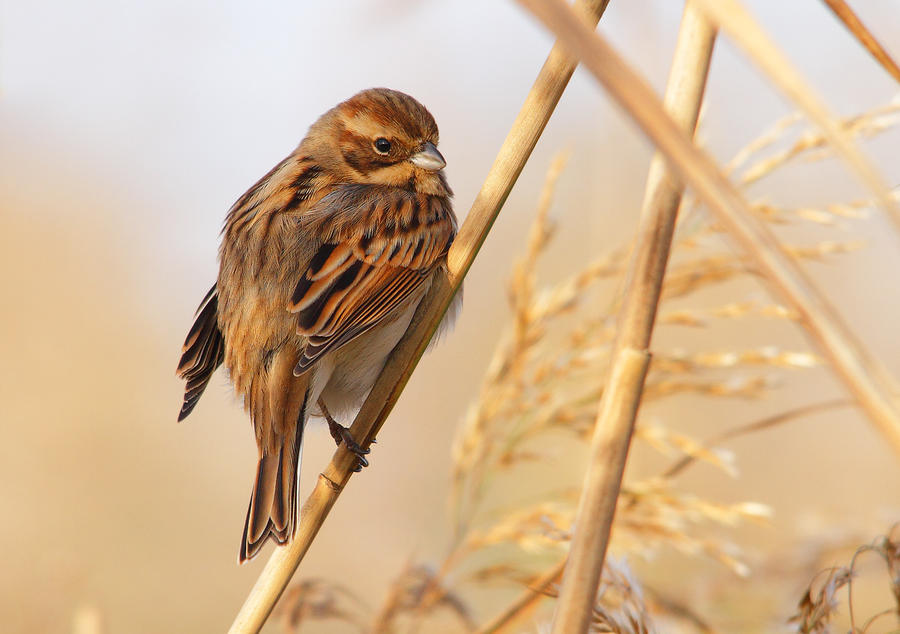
342,434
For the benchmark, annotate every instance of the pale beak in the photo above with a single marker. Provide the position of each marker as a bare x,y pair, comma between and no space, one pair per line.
428,158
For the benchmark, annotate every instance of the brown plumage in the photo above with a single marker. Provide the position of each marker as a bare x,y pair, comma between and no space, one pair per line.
322,265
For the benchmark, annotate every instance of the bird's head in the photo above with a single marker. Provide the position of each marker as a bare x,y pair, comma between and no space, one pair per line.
380,137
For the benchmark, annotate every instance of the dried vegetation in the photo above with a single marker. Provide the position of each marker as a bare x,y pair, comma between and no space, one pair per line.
519,454
538,402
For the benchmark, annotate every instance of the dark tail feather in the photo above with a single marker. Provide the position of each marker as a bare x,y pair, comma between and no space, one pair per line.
273,504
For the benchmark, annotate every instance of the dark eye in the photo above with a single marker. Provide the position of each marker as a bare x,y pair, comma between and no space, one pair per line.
382,145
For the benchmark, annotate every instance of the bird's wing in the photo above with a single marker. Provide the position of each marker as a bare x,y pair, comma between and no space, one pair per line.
202,353
379,245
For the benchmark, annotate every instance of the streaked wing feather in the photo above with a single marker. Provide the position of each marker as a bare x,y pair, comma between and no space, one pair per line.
202,353
399,285
381,244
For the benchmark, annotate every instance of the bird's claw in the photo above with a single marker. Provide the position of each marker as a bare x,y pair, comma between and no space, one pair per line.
342,435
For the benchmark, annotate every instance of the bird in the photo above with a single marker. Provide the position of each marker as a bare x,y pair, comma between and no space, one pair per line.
322,264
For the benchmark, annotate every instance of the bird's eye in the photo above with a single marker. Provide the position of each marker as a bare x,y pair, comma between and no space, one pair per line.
382,145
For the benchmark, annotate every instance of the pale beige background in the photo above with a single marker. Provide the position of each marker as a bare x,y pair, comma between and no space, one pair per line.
126,131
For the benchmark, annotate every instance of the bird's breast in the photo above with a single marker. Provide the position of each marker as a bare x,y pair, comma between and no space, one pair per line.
356,365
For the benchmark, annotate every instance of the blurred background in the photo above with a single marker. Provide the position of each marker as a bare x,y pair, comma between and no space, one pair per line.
127,129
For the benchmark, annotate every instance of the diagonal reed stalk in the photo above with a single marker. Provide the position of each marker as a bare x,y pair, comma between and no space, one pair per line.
517,147
524,603
846,15
731,17
767,422
867,380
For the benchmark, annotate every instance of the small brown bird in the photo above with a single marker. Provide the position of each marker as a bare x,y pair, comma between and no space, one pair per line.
322,265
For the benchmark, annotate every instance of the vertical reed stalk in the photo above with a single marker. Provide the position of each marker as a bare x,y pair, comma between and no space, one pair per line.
623,389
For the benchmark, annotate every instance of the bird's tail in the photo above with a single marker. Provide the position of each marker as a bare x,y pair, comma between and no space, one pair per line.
273,505
272,512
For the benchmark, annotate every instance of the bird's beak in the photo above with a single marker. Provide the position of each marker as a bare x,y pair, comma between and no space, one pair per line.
428,158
